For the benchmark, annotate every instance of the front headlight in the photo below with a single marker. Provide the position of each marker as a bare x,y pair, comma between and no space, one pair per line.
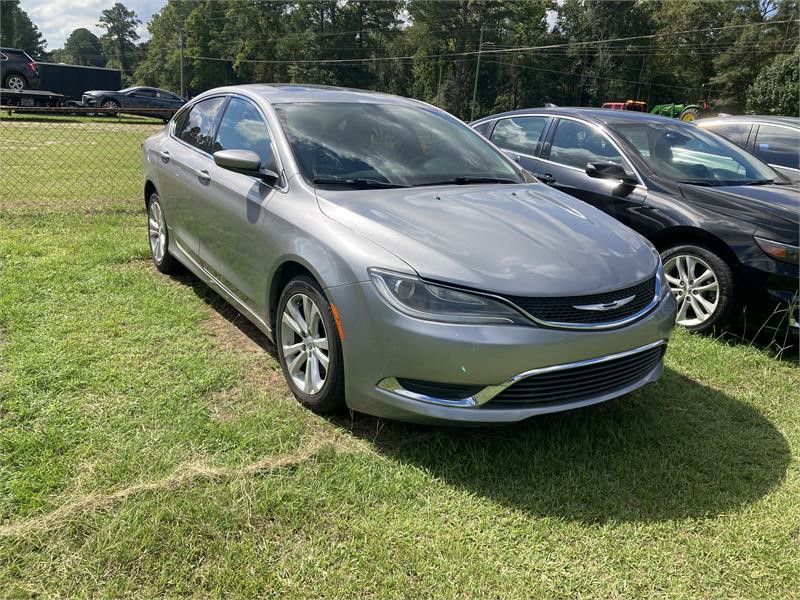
415,298
779,250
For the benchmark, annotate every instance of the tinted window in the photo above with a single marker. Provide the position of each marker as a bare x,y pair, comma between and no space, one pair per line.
144,94
483,128
167,96
388,143
243,128
519,133
689,154
576,144
735,132
198,127
778,146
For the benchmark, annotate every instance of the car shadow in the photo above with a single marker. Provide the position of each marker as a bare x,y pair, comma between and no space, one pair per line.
675,449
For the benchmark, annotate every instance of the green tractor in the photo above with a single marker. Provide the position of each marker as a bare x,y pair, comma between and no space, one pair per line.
684,112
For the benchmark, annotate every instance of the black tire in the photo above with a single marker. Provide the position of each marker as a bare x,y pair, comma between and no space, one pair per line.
330,397
726,301
110,105
163,261
690,114
11,77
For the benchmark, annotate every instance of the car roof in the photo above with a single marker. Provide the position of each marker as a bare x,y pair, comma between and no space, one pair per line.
281,93
597,115
771,119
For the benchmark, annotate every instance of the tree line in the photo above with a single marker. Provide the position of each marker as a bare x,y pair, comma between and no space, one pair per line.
739,55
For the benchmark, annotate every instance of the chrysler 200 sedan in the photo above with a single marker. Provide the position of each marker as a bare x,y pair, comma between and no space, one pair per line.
402,265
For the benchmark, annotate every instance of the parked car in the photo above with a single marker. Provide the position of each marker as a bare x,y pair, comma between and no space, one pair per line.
726,224
637,105
399,262
139,98
18,71
775,140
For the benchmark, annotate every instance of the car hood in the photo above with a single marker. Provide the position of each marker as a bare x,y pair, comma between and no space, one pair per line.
781,201
99,92
521,239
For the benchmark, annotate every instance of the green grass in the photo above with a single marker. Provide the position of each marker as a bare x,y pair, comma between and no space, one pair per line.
148,447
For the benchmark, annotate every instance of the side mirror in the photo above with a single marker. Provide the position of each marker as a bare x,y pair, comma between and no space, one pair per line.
609,170
245,162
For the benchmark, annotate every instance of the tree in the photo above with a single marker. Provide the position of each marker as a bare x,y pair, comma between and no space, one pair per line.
774,91
120,24
18,31
83,48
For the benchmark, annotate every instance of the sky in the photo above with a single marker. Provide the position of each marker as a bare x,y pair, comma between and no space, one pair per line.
57,18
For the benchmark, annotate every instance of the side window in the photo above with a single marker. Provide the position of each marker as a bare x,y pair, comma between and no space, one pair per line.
198,126
778,146
734,132
575,144
483,128
520,134
243,128
144,94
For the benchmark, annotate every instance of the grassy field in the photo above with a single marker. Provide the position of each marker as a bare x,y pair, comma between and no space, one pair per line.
149,447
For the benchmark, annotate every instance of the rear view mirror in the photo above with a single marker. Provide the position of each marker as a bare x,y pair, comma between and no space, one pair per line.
245,162
609,170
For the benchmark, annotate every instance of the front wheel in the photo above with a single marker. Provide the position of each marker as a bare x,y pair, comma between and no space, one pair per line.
703,284
309,348
111,105
158,236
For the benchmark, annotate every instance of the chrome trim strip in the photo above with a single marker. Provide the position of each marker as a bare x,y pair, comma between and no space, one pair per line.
391,384
222,289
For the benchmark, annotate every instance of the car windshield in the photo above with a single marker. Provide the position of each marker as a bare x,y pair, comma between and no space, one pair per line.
688,154
388,145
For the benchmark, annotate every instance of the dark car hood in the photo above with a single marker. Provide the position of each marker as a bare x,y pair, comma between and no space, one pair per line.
100,92
779,201
514,239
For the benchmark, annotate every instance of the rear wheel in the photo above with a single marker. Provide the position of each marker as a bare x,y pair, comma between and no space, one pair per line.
15,82
703,285
158,237
690,114
309,348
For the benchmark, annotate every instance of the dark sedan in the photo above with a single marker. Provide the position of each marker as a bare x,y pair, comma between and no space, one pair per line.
775,140
726,224
140,98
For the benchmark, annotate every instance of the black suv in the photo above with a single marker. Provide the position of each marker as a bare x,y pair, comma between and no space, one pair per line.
18,71
726,224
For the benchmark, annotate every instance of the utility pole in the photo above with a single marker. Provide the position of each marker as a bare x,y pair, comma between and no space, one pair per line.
180,46
477,74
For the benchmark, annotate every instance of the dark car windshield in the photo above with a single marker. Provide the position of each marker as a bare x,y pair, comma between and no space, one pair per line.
689,154
372,145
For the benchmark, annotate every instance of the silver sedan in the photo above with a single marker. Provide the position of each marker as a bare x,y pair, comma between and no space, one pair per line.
403,266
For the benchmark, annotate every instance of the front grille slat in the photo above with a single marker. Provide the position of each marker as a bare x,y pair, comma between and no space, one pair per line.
562,309
581,382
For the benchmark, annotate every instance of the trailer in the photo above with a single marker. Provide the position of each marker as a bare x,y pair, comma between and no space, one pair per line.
31,98
62,85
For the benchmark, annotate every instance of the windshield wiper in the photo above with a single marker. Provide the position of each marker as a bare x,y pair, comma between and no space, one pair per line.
466,180
757,182
358,182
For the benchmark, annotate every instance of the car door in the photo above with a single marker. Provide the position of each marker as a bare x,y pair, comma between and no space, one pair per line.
520,138
232,207
570,145
779,146
184,163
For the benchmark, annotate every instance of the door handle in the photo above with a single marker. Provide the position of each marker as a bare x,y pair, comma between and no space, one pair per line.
164,156
203,175
546,178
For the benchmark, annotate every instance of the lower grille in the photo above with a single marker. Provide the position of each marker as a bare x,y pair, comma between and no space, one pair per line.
581,382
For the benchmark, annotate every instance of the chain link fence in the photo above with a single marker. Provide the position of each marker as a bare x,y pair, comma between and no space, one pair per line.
73,159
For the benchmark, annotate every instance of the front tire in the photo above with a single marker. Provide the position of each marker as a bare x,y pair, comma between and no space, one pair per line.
703,284
309,348
111,105
158,236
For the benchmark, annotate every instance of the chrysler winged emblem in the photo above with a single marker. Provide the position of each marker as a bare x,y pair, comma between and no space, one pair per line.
606,305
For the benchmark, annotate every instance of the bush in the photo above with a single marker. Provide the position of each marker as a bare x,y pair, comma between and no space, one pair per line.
775,90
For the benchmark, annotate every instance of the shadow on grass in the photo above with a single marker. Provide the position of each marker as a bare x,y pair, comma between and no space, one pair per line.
675,449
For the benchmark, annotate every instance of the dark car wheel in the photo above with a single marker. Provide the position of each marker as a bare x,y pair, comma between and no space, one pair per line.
158,237
309,347
110,105
15,82
703,284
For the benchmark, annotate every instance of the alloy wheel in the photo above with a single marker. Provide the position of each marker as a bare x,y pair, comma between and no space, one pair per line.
15,82
157,231
110,104
304,342
695,286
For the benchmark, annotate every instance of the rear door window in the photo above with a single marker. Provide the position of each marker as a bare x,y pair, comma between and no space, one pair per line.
520,134
734,132
778,146
198,127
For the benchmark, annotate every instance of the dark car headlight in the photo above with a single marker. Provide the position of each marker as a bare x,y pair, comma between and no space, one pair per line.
779,250
416,298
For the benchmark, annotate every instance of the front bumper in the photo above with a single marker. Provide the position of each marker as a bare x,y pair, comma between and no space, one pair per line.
381,345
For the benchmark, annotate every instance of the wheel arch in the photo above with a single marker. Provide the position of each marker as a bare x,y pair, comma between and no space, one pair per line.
149,189
285,272
674,236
